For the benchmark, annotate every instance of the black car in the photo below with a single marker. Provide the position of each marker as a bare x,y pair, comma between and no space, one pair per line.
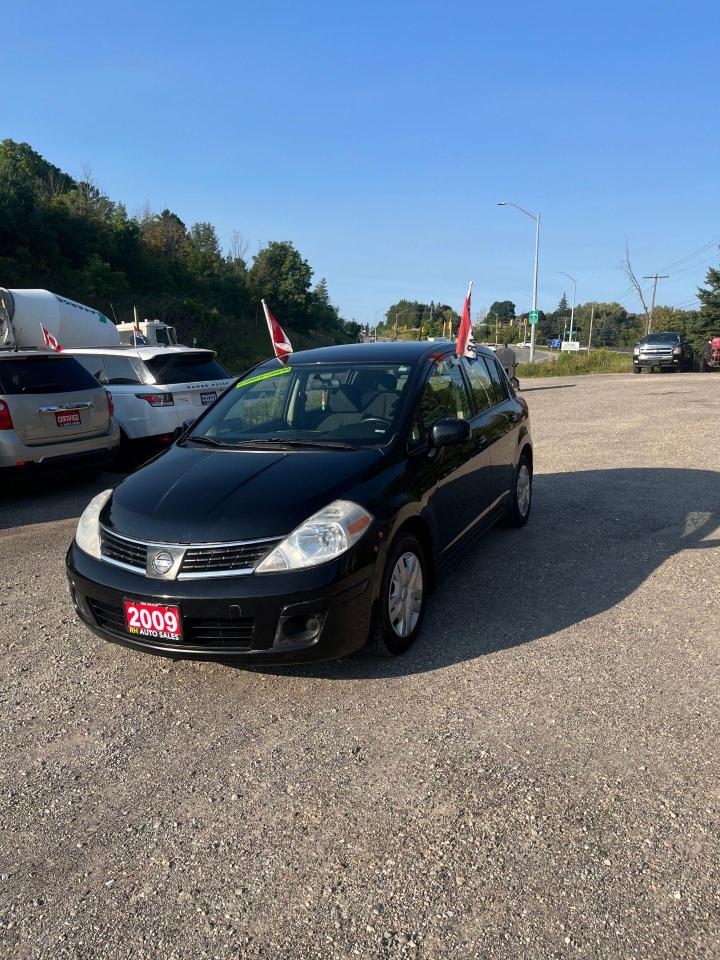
666,350
310,509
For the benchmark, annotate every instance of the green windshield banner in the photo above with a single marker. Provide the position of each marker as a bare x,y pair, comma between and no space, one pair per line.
262,376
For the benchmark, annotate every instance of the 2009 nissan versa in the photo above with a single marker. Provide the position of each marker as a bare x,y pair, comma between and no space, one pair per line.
310,509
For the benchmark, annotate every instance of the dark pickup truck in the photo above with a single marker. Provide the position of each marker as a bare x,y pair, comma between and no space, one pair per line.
664,351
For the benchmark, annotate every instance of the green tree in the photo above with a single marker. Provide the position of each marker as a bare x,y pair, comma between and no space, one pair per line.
704,324
501,311
68,236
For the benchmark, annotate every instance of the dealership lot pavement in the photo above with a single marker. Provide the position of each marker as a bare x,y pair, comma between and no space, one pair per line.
537,778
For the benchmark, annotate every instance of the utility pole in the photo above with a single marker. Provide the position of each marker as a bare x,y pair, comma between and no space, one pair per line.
654,277
592,317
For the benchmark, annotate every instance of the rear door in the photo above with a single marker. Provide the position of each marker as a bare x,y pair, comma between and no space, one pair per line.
52,398
195,378
504,426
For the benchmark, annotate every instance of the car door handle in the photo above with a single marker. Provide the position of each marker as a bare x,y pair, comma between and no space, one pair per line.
57,407
512,417
481,441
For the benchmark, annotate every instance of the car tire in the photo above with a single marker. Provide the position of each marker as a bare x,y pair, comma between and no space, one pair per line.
637,369
519,512
398,619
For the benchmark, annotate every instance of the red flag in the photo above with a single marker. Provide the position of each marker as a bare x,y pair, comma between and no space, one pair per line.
280,340
465,346
49,340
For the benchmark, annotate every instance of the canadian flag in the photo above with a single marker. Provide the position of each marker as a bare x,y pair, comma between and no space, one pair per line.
280,340
466,341
49,340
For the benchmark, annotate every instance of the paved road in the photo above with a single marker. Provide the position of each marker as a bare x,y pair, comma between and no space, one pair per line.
537,778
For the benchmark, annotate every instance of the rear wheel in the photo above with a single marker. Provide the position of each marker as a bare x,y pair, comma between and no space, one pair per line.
401,606
521,494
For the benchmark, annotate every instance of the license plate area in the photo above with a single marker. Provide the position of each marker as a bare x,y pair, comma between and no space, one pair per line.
208,397
152,621
67,418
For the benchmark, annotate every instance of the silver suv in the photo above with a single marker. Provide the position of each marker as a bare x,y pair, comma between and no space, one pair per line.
52,412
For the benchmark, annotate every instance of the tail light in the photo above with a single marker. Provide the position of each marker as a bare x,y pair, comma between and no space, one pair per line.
5,418
157,399
111,405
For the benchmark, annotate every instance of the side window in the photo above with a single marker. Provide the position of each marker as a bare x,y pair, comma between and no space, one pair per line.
497,379
93,365
481,386
120,370
444,395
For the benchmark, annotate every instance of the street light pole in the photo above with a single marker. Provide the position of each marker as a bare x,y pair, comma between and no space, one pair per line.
572,312
536,218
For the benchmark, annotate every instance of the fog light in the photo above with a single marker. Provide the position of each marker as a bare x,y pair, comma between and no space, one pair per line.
299,628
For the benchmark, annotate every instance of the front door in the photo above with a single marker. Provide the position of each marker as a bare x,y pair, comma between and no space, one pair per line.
454,481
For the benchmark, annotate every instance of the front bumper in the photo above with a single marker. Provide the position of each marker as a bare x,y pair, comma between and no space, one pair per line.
254,619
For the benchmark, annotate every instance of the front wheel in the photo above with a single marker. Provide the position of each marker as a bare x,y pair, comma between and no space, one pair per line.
519,513
401,605
637,369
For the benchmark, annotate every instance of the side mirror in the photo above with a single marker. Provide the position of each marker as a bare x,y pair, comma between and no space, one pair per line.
181,431
448,432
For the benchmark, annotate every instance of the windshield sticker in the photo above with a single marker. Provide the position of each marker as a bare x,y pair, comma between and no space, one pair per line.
262,376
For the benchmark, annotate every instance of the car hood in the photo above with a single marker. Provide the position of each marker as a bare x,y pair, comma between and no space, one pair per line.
190,495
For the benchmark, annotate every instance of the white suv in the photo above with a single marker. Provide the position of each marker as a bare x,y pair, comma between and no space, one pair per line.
155,389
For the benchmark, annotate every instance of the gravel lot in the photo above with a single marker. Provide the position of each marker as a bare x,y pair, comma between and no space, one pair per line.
537,778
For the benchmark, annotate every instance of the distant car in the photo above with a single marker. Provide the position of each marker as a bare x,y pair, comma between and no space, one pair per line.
666,350
52,413
156,389
310,509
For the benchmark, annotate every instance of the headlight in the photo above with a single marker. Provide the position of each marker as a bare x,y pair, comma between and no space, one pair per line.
87,535
677,350
324,536
636,350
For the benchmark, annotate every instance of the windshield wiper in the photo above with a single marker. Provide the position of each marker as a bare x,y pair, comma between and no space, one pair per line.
209,442
277,443
306,442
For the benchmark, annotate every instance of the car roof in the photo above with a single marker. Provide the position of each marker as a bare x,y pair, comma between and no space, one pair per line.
24,354
142,353
382,351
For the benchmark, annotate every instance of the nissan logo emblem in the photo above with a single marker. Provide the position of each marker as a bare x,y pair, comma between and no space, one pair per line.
162,563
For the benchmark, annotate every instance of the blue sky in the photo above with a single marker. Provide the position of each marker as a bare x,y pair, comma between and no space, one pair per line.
379,136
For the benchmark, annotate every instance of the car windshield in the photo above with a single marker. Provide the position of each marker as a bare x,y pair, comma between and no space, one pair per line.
43,374
662,338
340,404
190,367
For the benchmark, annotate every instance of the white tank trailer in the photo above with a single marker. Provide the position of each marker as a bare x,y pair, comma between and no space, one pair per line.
23,313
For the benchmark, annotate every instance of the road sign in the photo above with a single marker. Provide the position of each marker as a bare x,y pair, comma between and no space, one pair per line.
533,316
570,345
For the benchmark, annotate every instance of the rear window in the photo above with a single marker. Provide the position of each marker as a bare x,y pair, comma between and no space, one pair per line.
43,374
186,368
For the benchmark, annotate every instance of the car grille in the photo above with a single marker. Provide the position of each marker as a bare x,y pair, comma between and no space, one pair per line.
123,551
225,557
219,559
201,634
